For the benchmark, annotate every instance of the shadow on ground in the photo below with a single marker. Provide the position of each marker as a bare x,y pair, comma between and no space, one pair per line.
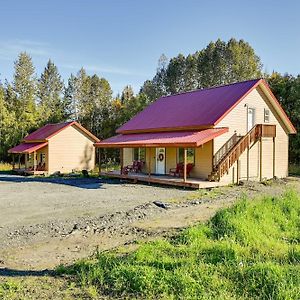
84,183
25,273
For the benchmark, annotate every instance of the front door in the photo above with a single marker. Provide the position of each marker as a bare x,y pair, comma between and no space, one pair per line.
160,160
250,121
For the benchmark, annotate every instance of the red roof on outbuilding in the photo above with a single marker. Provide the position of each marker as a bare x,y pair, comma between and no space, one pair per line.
191,109
163,139
46,131
49,130
27,147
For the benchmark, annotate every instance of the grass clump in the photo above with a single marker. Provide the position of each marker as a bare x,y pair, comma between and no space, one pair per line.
249,251
9,290
5,167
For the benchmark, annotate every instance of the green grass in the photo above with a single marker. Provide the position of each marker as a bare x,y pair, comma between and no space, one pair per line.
9,289
5,166
249,251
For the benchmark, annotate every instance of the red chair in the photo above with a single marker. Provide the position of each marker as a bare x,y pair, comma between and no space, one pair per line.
176,171
179,170
138,166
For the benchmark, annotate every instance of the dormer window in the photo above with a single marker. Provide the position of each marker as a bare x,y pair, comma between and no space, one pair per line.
266,115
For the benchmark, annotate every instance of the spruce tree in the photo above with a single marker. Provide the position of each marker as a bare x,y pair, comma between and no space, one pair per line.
70,103
50,87
24,88
7,126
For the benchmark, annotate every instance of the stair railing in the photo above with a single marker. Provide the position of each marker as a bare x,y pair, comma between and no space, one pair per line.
258,131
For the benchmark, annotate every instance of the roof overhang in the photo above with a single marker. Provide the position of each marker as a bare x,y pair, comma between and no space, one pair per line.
277,107
188,139
27,147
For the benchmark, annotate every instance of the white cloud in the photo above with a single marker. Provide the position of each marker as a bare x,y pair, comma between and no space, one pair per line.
10,49
104,69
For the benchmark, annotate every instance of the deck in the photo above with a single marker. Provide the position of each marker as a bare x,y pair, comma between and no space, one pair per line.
23,171
195,183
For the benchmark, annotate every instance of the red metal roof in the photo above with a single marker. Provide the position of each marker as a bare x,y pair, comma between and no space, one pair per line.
47,131
197,108
163,139
27,147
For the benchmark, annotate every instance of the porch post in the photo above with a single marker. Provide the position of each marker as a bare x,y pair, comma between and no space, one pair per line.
99,160
13,162
184,164
121,161
260,159
25,161
34,161
237,171
248,163
149,162
274,166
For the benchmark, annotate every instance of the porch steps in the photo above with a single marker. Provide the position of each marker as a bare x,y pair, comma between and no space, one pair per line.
223,165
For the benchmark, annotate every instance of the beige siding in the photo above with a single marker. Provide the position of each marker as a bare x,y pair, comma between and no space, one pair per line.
236,120
71,150
171,159
127,156
203,161
151,152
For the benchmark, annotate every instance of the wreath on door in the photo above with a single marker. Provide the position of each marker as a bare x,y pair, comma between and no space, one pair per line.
161,157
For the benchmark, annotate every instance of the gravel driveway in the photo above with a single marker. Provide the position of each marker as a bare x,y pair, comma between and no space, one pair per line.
29,201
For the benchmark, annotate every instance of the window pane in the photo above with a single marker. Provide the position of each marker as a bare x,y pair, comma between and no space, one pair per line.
139,154
267,116
180,155
190,155
142,154
136,154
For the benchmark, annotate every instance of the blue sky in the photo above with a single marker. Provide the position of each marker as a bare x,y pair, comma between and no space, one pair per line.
123,40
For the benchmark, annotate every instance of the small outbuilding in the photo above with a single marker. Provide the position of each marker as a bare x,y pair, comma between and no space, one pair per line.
63,147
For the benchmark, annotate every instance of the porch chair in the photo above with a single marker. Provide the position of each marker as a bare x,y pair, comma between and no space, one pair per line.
176,171
137,166
179,170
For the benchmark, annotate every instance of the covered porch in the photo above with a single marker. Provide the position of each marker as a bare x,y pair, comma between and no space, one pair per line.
30,158
163,179
179,158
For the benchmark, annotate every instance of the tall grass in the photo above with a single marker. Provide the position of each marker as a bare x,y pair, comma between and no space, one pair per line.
249,251
5,166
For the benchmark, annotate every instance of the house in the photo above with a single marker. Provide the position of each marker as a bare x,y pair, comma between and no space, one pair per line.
63,147
224,134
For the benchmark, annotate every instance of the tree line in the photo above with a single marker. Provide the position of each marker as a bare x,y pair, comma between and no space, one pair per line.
28,101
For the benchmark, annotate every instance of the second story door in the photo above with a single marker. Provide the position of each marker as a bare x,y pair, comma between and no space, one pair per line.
250,118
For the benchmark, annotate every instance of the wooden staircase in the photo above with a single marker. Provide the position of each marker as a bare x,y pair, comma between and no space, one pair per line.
224,160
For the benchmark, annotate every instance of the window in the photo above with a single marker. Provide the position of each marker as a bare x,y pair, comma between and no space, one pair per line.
266,115
42,157
139,154
190,157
